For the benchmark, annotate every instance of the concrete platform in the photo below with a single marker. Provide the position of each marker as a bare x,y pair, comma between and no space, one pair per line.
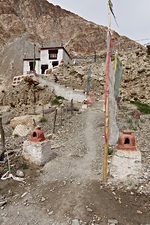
125,165
37,153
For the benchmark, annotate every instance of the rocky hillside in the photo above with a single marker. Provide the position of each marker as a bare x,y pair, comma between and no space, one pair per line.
46,23
24,22
135,84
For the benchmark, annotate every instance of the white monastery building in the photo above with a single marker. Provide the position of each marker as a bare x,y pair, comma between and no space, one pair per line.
50,57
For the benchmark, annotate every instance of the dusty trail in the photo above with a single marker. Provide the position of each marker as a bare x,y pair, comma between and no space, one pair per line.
69,187
82,153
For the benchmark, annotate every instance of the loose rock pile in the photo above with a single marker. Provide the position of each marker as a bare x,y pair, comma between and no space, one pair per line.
136,76
24,97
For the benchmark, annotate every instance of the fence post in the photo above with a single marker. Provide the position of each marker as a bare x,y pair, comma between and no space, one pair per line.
2,136
55,117
43,110
34,101
71,106
61,115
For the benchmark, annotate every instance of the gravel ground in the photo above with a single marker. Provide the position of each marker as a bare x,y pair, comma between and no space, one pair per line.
68,189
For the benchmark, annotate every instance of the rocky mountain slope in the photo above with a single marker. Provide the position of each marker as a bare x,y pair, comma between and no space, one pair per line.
46,23
135,83
24,22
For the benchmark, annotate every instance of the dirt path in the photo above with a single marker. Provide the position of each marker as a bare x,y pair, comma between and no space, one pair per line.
69,187
61,90
81,155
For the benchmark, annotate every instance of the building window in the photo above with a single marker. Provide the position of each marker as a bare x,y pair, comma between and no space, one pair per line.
43,68
31,66
55,63
53,54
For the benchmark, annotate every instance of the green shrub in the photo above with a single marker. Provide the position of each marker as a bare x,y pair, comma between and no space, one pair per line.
25,166
43,120
57,100
142,107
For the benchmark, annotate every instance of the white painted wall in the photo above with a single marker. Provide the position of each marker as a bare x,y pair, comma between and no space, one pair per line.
131,169
44,60
44,57
26,66
66,58
62,55
68,93
38,67
38,153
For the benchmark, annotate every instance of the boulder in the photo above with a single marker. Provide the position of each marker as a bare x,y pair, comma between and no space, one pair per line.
27,120
21,130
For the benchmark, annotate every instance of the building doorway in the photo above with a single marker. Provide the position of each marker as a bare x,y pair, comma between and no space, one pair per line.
43,68
31,66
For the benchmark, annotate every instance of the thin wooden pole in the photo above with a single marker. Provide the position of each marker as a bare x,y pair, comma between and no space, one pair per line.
109,15
106,120
88,80
34,61
71,106
34,122
61,115
43,110
55,117
34,99
2,136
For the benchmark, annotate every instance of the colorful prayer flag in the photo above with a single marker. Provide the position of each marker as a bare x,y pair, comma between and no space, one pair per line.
118,75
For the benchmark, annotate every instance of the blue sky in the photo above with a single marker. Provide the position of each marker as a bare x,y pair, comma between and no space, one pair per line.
133,16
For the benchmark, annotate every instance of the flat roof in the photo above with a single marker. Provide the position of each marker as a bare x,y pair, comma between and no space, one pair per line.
31,59
55,48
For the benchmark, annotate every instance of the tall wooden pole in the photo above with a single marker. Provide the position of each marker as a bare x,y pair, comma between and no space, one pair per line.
106,102
106,119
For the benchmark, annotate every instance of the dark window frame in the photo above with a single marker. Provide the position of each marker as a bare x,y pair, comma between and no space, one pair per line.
53,54
55,63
